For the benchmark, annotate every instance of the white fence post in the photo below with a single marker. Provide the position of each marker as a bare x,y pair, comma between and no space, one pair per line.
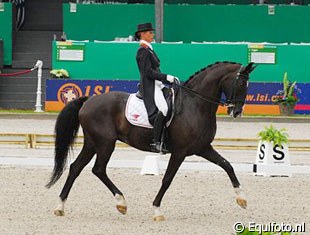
38,105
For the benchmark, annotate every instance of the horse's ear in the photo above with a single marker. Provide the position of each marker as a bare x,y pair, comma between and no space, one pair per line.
249,68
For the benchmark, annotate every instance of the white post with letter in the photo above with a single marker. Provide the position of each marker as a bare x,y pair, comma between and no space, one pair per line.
272,160
38,105
151,165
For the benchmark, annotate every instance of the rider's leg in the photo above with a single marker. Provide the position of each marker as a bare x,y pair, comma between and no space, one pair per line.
159,98
162,106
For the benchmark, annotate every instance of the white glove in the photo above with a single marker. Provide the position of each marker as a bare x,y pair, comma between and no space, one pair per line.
171,78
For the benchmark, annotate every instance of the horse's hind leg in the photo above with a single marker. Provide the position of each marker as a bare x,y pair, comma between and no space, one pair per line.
104,153
213,156
86,154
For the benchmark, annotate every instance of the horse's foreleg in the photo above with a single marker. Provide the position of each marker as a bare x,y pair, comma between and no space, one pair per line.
75,169
213,156
173,166
100,170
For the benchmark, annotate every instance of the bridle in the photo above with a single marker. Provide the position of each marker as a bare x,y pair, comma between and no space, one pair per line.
232,99
230,102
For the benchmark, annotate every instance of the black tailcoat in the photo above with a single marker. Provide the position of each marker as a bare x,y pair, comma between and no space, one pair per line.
148,64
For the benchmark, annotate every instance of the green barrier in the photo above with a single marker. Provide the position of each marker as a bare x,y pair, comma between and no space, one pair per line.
234,23
105,21
117,60
1,54
6,31
208,2
221,2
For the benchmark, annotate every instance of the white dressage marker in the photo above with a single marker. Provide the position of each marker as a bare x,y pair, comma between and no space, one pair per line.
272,160
151,165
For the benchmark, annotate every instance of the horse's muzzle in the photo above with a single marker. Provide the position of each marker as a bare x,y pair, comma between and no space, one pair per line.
234,111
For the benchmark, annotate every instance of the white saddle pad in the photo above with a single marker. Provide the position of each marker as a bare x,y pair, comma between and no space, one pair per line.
136,112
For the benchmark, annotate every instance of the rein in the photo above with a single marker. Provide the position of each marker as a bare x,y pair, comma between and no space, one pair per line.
228,103
221,103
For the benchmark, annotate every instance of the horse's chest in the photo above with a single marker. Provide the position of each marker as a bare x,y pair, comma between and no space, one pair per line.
205,132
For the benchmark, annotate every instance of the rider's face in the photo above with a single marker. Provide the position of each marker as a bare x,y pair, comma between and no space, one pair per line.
147,36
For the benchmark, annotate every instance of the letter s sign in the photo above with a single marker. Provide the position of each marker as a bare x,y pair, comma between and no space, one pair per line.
262,152
280,153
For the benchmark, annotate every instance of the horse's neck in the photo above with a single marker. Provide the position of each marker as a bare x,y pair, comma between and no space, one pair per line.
205,99
207,86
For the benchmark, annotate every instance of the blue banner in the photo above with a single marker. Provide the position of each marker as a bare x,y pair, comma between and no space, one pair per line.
60,92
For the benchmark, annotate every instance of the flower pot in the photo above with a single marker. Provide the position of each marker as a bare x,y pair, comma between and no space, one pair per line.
286,109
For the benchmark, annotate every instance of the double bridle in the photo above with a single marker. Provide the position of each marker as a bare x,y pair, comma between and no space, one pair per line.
233,100
230,103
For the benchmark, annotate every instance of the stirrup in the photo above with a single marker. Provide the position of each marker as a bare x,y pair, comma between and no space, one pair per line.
158,147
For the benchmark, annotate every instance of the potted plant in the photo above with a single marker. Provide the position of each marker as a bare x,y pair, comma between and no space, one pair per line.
272,157
59,73
287,98
247,231
273,135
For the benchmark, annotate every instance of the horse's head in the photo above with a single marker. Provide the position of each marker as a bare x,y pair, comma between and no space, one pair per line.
228,77
236,90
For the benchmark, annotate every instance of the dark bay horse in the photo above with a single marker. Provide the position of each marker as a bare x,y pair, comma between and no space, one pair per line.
191,132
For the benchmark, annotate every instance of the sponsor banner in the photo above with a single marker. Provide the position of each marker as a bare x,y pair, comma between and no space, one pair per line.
259,99
60,92
70,51
262,95
262,54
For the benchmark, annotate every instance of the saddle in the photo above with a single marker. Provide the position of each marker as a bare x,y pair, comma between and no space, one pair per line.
136,113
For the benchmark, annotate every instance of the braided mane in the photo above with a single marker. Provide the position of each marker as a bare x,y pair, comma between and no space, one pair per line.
207,67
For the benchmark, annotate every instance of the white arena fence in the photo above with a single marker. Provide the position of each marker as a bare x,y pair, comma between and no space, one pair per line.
47,140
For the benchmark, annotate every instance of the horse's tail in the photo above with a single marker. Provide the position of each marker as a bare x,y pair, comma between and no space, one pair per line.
66,129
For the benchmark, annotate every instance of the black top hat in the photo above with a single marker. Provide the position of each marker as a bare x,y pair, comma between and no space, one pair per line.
144,27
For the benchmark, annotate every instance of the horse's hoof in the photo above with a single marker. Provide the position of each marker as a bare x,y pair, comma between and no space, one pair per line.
122,209
59,212
158,218
242,202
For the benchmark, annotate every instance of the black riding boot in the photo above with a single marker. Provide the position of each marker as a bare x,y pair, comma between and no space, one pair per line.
157,145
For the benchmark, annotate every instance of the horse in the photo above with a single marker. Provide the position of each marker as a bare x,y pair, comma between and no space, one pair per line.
191,131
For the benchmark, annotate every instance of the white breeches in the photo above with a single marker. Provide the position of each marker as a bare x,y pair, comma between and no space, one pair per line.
160,101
